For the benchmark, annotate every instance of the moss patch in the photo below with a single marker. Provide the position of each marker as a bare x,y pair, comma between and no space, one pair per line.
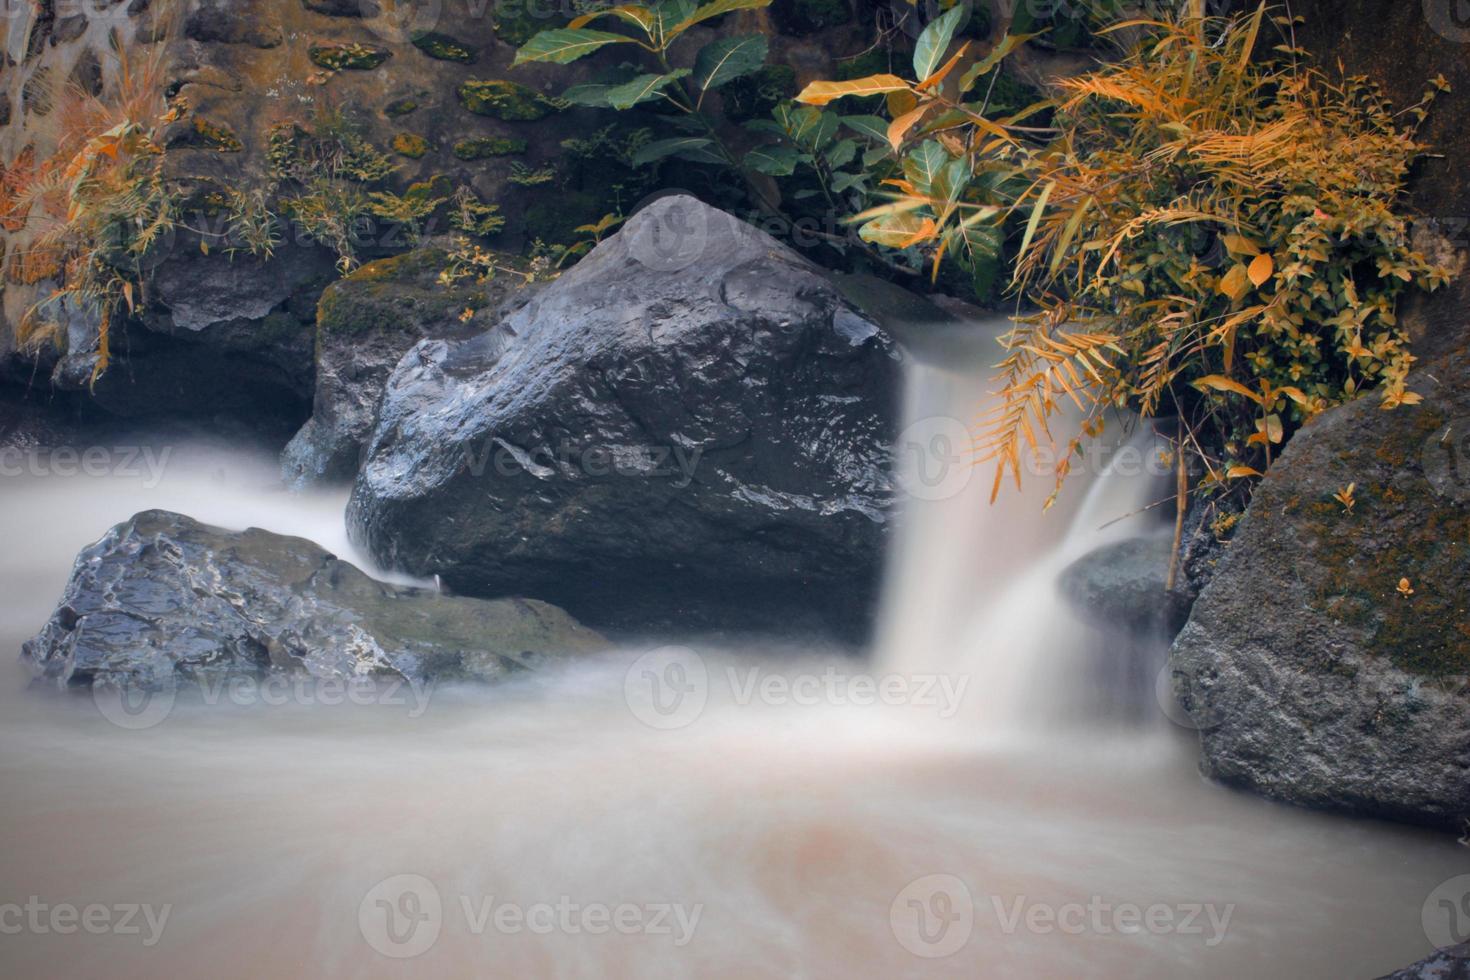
445,48
399,108
410,145
481,147
1396,530
348,57
503,100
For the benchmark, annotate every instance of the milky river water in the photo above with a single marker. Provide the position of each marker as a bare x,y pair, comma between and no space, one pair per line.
790,820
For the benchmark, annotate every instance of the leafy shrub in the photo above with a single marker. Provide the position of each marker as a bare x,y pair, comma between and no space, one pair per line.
1208,230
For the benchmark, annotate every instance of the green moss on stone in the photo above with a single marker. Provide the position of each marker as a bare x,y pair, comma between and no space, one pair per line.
400,107
445,48
410,145
348,57
503,100
481,147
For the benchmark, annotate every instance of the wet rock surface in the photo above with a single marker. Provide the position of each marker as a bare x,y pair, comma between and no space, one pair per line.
164,599
690,430
1123,586
1326,662
365,324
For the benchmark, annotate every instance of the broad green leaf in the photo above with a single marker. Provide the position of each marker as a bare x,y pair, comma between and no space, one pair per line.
842,153
777,161
821,93
566,44
873,127
717,9
588,94
984,66
934,41
729,58
658,149
641,89
924,164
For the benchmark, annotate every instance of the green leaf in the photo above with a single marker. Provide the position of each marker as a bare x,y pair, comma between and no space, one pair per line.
842,153
566,44
873,127
588,94
670,16
729,58
810,127
924,165
641,89
929,49
717,9
983,67
659,149
777,161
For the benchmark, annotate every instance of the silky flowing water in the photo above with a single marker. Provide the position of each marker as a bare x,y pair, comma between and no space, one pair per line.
990,811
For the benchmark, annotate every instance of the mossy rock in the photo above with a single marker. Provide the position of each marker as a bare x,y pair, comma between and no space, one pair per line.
803,17
481,147
399,108
348,57
755,95
378,296
410,145
445,48
501,99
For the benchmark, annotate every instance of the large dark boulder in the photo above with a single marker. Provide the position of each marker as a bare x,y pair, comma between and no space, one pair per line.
162,598
1326,663
365,324
690,430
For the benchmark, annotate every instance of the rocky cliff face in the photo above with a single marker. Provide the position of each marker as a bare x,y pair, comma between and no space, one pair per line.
428,85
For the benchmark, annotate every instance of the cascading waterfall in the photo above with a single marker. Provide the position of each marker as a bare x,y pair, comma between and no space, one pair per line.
972,585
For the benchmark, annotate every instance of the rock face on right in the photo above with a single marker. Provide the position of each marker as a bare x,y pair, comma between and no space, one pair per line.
1326,663
690,430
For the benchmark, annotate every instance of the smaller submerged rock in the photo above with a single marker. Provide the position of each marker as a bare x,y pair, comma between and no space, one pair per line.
163,597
